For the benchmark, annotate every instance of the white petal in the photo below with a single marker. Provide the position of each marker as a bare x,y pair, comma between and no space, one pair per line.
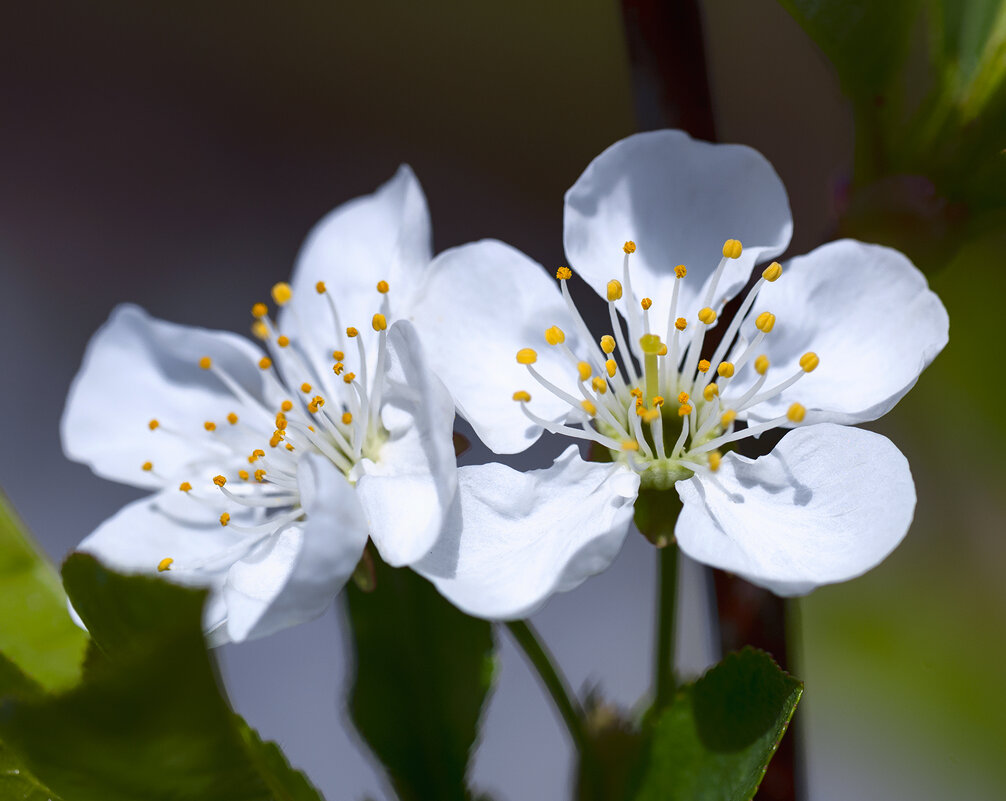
384,236
516,538
828,504
479,304
137,368
678,199
293,577
871,318
408,490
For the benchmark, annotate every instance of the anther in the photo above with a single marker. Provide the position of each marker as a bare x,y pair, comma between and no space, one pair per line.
281,293
320,287
772,272
282,340
349,378
589,407
259,310
796,412
219,480
681,323
153,424
564,273
646,303
165,564
728,417
600,385
651,415
707,316
684,410
657,401
765,322
338,355
710,392
286,405
338,367
715,458
636,392
614,290
209,425
555,335
584,370
289,447
630,445
680,271
265,362
683,397
726,369
206,363
809,362
527,356
147,466
761,364
185,486
522,396
347,418
380,322
608,343
351,332
629,247
232,418
611,367
382,287
703,366
260,330
243,475
225,519
260,476
732,249
305,387
258,453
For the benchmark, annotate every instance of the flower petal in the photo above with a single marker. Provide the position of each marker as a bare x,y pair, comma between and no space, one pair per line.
293,577
829,503
479,304
868,314
409,489
384,236
137,368
679,200
515,538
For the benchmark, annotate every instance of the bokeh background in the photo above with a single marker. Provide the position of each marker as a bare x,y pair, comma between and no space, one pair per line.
175,155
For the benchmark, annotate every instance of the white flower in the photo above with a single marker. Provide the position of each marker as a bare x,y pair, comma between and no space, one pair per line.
271,469
835,337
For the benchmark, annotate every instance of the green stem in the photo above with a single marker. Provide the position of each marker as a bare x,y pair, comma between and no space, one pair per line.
572,714
663,665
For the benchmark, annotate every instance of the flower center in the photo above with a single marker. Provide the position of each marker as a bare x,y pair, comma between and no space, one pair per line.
656,404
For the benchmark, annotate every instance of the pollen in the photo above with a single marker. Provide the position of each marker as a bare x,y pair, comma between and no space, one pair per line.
611,367
680,271
765,322
711,391
809,361
225,519
608,343
382,287
219,480
555,335
305,387
681,323
707,316
684,410
646,303
232,418
347,418
286,405
147,466
351,332
153,424
265,362
683,397
614,290
260,330
772,272
338,355
715,458
165,564
732,249
728,417
584,370
600,385
380,322
283,340
796,413
320,287
761,364
703,366
281,293
527,356
588,407
259,310
206,363
243,475
725,370
209,425
564,273
522,396
629,247
260,476
185,486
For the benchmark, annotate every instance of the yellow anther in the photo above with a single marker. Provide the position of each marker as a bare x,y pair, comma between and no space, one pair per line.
527,356
289,447
351,332
305,387
153,424
588,407
611,367
338,367
522,396
765,322
274,441
703,365
260,330
147,466
260,475
265,362
651,415
726,369
608,343
761,364
209,425
646,303
219,480
715,458
630,445
320,401
225,519
681,323
680,271
728,417
311,429
584,370
349,378
640,407
206,363
281,424
710,392
281,293
772,272
707,316
232,418
338,355
684,410
614,290
657,401
382,287
283,340
809,361
629,247
258,453
650,343
185,486
683,397
636,392
662,351
555,335
320,287
380,322
796,412
313,408
243,475
564,273
286,405
732,249
259,310
165,564
599,384
347,418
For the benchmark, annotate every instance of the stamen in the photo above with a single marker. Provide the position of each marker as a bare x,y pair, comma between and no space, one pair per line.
281,293
165,564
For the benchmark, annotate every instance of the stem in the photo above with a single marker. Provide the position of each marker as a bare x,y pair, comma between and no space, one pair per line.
663,666
572,714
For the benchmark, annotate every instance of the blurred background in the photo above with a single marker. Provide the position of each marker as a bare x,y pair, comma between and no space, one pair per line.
175,155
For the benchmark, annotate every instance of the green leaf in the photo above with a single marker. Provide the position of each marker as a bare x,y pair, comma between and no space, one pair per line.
37,633
715,741
149,720
423,673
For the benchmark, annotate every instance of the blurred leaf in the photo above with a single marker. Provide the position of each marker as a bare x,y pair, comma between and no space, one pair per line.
715,742
423,673
37,633
149,721
16,782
